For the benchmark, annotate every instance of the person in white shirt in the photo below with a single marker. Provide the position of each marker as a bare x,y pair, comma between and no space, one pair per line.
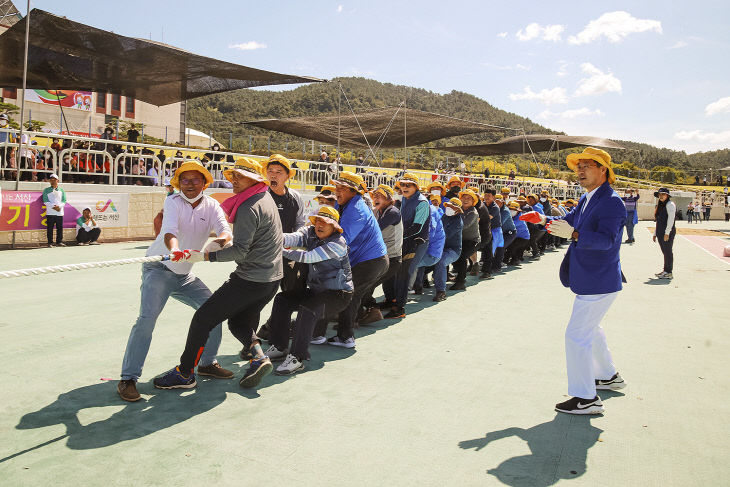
188,218
55,199
665,230
87,231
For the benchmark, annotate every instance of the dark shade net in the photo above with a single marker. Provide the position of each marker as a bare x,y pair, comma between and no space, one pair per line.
68,55
388,127
537,142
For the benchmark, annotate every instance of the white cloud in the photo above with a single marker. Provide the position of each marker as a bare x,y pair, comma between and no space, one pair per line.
597,82
720,106
339,9
573,113
715,138
557,95
516,67
678,45
534,30
248,46
502,35
614,26
562,68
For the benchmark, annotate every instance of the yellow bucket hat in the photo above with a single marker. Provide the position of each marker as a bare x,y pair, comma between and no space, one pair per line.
470,193
434,185
191,166
455,203
499,197
329,215
514,205
385,190
246,167
351,180
279,159
599,155
410,178
505,190
457,180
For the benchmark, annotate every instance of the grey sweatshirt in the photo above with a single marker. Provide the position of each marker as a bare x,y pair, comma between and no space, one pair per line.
470,232
257,241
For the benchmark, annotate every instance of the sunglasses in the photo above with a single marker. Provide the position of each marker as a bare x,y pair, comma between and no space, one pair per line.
195,181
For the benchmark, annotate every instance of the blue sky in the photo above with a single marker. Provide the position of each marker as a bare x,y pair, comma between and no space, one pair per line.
649,71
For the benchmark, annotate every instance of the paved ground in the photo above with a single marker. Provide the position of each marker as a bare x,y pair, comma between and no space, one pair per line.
456,394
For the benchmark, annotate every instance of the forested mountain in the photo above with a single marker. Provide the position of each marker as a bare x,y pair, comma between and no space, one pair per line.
222,114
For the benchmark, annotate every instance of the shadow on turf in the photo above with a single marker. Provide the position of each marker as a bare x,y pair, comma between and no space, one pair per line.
652,281
558,450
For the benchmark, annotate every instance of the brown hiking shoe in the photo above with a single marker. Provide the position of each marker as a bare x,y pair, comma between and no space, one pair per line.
373,315
215,370
127,390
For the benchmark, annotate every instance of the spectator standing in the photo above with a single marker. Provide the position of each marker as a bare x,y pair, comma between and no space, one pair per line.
87,231
665,230
727,211
54,198
132,134
630,200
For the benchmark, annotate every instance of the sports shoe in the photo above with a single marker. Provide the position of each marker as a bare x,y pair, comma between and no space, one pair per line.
215,370
81,244
396,313
426,282
614,383
245,354
485,275
474,269
339,342
290,365
660,274
94,243
440,296
174,379
127,390
259,368
418,290
386,304
458,286
372,316
60,244
275,354
318,340
666,275
576,405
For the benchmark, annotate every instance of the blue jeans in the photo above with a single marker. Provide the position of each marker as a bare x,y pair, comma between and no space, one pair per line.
158,284
427,261
407,273
630,224
439,273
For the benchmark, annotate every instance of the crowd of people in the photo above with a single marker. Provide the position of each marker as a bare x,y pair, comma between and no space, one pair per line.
327,266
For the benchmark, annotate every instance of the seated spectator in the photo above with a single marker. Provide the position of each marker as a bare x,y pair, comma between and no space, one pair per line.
87,231
328,290
452,225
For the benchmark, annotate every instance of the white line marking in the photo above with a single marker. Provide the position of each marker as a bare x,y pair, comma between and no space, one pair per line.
721,259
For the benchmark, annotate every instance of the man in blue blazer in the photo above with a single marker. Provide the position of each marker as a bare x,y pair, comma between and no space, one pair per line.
591,269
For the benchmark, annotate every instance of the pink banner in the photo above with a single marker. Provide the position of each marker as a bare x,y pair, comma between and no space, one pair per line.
24,210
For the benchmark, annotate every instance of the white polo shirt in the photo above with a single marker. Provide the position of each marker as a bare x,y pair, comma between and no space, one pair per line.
191,226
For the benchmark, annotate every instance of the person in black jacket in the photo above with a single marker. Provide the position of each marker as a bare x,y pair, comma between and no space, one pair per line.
495,222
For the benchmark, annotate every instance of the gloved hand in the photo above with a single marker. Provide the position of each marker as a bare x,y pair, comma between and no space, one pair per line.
533,217
213,246
179,255
194,256
560,228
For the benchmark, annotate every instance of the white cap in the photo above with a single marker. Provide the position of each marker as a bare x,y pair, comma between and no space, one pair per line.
52,176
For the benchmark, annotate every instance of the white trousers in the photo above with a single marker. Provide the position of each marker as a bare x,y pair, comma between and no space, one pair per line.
586,351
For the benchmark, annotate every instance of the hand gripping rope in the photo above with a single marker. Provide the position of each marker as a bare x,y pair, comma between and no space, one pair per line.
77,267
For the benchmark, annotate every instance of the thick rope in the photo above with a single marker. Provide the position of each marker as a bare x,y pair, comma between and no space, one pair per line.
77,267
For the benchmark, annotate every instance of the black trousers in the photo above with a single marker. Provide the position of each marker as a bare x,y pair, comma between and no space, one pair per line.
667,251
535,235
84,236
393,266
240,302
57,221
312,309
516,250
364,276
467,249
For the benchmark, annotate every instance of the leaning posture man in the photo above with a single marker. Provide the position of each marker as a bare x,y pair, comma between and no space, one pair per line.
256,249
189,217
592,269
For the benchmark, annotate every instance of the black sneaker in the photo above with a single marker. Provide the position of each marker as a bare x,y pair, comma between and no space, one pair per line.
613,384
458,286
440,296
259,368
577,405
396,313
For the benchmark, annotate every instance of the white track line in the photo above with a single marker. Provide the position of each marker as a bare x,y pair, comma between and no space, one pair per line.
704,249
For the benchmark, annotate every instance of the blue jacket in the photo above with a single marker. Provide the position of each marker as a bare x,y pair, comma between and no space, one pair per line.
522,230
592,264
452,228
361,231
436,235
507,223
330,269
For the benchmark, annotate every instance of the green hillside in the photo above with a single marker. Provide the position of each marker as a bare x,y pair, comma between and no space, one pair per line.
222,113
